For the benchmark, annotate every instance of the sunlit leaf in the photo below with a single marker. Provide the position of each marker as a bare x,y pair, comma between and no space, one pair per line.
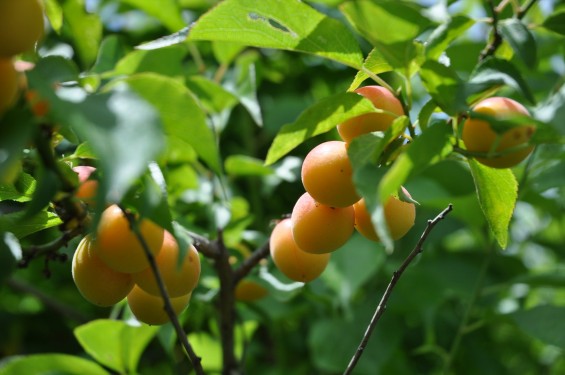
521,40
446,33
22,226
84,28
556,22
166,11
445,87
51,364
241,165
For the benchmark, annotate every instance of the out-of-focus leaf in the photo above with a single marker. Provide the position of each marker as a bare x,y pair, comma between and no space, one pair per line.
165,61
213,97
54,13
114,343
10,254
317,119
556,22
497,190
241,165
444,34
243,84
51,364
166,41
21,191
545,323
226,52
111,51
22,226
445,87
166,11
552,111
375,63
521,40
85,29
289,25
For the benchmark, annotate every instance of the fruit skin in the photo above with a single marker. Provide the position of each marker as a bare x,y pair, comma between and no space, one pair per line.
249,291
178,279
327,175
98,283
9,83
478,135
150,309
295,263
399,217
119,247
87,189
318,228
21,26
381,98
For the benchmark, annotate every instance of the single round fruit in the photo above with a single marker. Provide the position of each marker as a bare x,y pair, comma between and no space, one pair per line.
179,279
295,263
478,135
119,247
399,217
9,83
381,98
98,283
327,175
318,228
21,26
87,189
249,291
150,309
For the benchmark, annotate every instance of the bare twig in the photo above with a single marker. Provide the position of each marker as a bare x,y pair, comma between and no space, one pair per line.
395,277
250,262
196,361
496,40
208,248
524,9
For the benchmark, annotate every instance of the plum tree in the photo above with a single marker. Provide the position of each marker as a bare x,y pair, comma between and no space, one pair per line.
87,188
21,26
249,291
318,228
327,175
290,259
479,136
98,283
382,99
179,278
399,217
150,309
119,247
9,86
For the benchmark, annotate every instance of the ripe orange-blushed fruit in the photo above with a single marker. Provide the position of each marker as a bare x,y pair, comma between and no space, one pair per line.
150,309
399,217
21,26
292,261
327,175
119,247
178,279
9,83
249,291
381,98
98,283
87,189
478,135
318,228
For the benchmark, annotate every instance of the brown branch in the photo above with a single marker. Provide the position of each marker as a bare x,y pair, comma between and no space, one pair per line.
196,361
496,40
208,248
249,263
524,9
49,249
395,277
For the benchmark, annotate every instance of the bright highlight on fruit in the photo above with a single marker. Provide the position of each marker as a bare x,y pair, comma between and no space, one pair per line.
327,175
119,247
318,228
150,309
179,279
479,136
381,98
292,261
21,26
399,217
98,283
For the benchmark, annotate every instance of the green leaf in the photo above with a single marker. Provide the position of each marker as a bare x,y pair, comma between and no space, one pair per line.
166,41
166,11
112,49
214,98
520,39
497,190
241,165
60,364
10,254
289,25
399,23
319,118
83,28
556,22
114,343
54,13
48,185
445,87
84,151
165,61
375,63
446,33
183,118
494,73
22,226
552,111
21,191
545,323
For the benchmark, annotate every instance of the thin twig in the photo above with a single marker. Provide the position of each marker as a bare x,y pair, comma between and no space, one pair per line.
496,40
395,277
47,249
196,361
208,248
524,9
249,263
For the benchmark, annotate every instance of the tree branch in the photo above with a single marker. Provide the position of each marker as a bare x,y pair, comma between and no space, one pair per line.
249,263
208,248
196,361
496,41
395,277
